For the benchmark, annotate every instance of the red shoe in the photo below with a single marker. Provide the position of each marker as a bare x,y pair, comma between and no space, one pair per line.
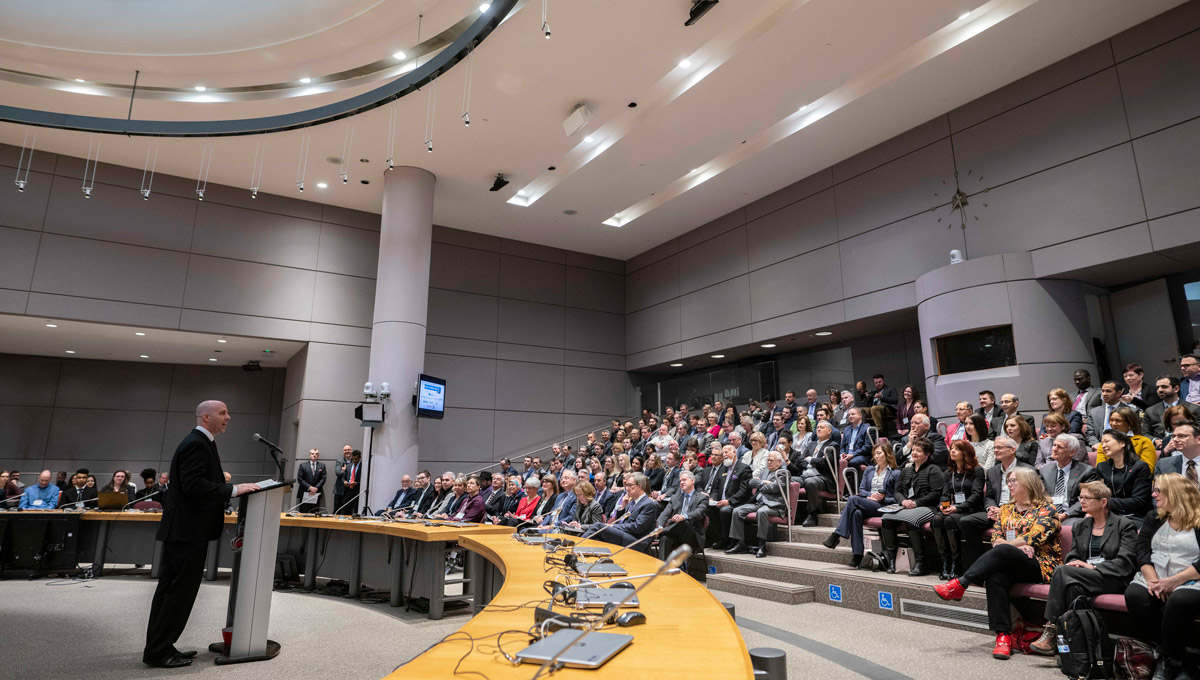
951,590
1003,648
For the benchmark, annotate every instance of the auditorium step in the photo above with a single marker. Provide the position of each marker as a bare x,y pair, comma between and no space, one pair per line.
811,551
761,588
862,590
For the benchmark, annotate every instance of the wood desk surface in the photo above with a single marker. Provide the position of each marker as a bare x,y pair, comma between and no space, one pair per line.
687,632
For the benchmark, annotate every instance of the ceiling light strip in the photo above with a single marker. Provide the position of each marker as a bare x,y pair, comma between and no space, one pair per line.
945,39
757,20
479,30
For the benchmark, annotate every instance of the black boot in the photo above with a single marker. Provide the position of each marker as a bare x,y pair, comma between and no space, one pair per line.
832,541
947,566
916,540
890,556
956,569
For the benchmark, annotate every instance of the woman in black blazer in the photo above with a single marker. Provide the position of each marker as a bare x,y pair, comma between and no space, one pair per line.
587,510
653,469
1127,476
918,493
1103,557
1164,597
961,495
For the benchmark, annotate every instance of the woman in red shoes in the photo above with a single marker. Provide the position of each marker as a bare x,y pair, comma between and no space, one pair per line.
1025,549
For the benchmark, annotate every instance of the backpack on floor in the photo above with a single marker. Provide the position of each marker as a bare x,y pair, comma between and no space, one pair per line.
1085,651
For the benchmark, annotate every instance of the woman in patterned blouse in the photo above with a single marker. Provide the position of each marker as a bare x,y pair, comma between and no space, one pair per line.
1025,549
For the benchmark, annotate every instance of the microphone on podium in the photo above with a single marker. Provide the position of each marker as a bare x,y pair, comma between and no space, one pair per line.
138,500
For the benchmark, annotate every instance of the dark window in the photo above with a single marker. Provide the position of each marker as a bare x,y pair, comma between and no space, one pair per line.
976,350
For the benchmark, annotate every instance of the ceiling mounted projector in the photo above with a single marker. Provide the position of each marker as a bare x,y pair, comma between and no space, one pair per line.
699,9
579,117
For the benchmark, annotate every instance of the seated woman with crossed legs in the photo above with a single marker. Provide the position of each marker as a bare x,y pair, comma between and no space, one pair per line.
1102,559
878,485
1025,549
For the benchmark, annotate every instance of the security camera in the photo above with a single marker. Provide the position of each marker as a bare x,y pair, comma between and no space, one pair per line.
385,390
368,389
956,256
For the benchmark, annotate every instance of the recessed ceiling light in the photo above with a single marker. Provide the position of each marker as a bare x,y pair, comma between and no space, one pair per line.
805,107
51,325
139,333
964,16
398,55
718,356
70,351
200,88
685,63
484,7
222,340
212,358
80,80
144,356
306,80
521,192
676,365
322,185
589,139
822,334
767,345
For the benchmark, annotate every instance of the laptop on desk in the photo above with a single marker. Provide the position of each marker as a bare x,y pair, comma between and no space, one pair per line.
113,500
601,569
598,598
592,652
591,551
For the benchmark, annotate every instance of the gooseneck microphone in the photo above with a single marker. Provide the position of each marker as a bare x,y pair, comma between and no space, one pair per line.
139,500
352,500
259,438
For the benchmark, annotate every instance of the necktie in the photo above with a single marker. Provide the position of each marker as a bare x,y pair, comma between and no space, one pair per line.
1060,488
1191,472
353,469
686,499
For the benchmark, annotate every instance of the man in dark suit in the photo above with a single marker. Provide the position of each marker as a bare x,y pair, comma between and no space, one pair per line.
685,511
404,497
1009,406
1189,386
422,499
883,402
728,485
1097,418
995,494
1167,388
1063,475
670,478
920,427
988,408
642,510
352,482
192,516
78,494
339,477
856,442
1181,455
310,479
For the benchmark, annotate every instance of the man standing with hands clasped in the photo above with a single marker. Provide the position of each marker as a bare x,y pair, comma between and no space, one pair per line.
193,515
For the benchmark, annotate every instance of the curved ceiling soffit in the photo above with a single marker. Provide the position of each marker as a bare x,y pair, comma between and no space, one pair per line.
458,50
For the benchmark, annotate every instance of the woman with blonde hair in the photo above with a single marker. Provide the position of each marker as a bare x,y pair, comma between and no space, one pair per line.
756,457
1025,549
1059,402
1164,597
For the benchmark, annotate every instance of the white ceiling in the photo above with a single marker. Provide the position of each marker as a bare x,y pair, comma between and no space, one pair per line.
873,68
30,335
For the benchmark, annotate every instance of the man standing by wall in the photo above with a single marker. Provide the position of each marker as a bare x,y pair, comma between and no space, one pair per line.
192,516
310,479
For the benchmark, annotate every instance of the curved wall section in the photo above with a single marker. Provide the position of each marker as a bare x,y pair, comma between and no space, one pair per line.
1049,320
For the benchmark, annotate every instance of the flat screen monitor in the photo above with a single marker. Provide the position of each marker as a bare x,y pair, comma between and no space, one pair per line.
431,397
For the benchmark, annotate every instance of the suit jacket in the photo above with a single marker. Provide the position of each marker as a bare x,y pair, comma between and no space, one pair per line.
940,456
588,514
565,503
1118,546
305,478
339,471
1097,423
1130,488
732,484
890,478
423,499
1080,472
771,488
887,397
193,509
403,497
695,512
73,495
926,484
993,484
1153,417
670,484
607,499
1174,463
641,518
994,412
862,445
1091,399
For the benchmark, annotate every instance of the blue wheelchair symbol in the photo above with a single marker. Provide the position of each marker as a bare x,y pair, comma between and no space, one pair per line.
835,593
712,569
885,600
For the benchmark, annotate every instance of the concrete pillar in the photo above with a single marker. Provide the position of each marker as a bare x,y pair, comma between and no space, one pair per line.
1049,319
398,328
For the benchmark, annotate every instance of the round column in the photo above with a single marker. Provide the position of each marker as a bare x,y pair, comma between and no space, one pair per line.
398,328
1052,335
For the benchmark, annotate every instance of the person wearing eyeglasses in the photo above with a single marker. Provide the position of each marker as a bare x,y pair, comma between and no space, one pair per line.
1164,597
1102,559
1127,477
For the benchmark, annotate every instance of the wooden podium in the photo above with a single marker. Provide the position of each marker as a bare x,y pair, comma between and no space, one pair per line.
255,546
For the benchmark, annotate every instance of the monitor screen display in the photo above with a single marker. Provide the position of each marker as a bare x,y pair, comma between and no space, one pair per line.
431,397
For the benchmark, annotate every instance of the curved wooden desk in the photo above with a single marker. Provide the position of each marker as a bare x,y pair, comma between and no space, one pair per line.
687,632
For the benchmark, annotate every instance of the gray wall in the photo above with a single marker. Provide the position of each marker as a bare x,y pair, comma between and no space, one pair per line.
64,414
1092,160
531,341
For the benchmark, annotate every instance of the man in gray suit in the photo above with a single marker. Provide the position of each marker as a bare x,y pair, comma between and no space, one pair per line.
1086,397
1097,418
1009,406
1167,387
769,500
642,513
1063,476
685,511
1187,462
